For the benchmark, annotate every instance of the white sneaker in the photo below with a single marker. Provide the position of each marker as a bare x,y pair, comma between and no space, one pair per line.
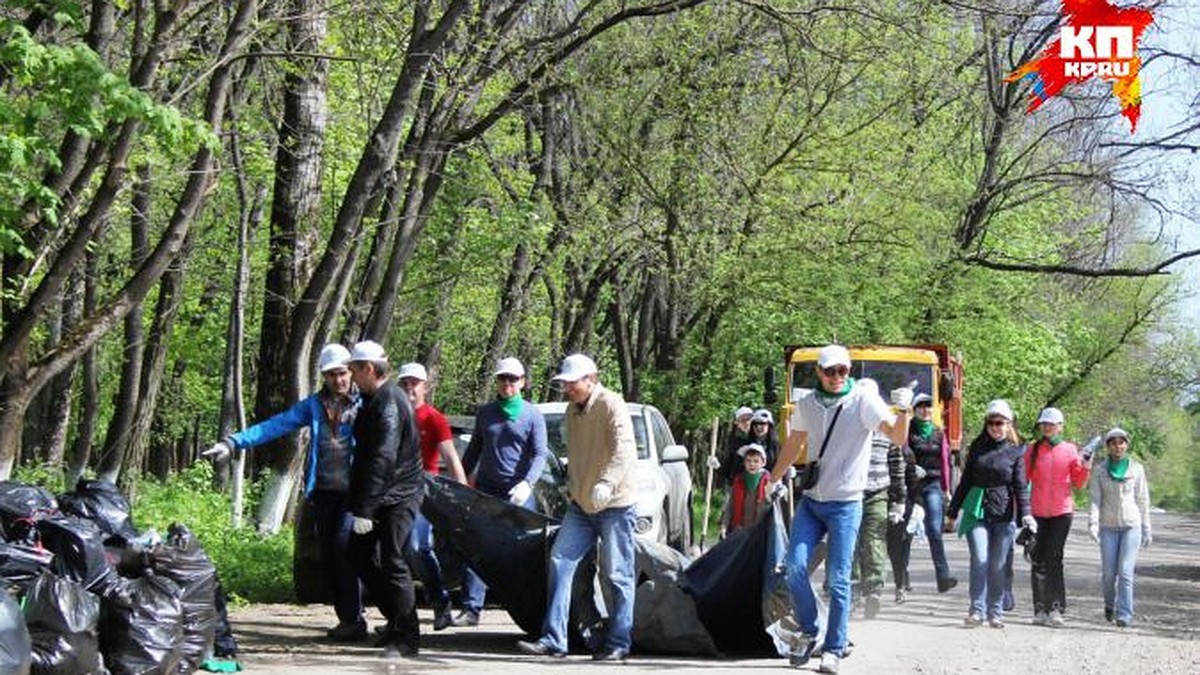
973,621
829,663
1057,620
1041,619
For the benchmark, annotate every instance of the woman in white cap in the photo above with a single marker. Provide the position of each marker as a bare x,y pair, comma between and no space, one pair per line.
1053,466
1120,522
329,415
992,496
762,432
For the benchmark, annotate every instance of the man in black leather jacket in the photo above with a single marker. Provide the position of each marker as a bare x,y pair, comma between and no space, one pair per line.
385,495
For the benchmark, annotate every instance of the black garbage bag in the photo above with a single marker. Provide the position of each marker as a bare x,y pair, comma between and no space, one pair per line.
224,645
14,638
63,620
725,580
102,503
506,545
79,553
20,564
181,559
143,636
19,504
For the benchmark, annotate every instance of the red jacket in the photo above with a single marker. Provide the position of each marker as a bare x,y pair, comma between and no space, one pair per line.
1051,476
738,501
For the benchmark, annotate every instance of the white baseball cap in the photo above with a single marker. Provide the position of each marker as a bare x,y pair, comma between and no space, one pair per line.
833,355
413,370
333,356
751,447
1116,432
1050,416
744,411
763,415
575,367
510,366
999,408
368,350
922,399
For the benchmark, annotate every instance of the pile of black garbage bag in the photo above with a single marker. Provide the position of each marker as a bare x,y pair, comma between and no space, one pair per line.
86,592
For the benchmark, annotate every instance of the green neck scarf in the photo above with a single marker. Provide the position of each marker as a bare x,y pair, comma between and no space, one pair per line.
511,406
752,480
1054,440
827,399
1118,468
924,427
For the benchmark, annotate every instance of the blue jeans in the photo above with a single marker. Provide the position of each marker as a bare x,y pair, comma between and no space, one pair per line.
420,544
334,520
934,514
473,587
575,539
1118,555
989,543
812,521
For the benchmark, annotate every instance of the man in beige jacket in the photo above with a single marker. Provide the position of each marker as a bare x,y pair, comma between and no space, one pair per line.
601,476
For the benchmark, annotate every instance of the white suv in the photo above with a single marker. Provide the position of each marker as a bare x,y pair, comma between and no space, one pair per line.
664,499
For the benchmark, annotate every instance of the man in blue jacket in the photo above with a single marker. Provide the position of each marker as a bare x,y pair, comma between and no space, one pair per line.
329,416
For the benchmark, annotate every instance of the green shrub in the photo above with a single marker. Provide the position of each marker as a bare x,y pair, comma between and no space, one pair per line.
253,567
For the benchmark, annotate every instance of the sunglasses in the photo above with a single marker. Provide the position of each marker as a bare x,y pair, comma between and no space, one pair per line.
997,422
508,378
835,371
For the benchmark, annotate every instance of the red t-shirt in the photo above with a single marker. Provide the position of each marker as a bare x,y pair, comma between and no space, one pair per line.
434,428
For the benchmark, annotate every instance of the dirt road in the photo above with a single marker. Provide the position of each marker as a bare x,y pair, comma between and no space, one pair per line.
924,635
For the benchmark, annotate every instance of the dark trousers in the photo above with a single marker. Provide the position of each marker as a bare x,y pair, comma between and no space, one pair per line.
334,522
1049,593
379,558
899,547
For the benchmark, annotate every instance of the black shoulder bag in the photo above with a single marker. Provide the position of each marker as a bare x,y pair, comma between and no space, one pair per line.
811,471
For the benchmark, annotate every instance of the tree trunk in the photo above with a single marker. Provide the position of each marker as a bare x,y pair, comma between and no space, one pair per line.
116,440
58,412
170,298
89,399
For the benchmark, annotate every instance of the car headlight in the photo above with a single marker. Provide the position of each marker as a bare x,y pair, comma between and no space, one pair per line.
643,524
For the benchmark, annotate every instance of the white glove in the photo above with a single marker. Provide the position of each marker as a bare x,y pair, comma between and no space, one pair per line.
1030,522
896,513
219,452
519,494
713,463
1146,538
602,494
902,398
778,490
1094,531
363,525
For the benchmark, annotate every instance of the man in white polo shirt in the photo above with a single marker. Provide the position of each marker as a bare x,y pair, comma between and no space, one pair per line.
849,412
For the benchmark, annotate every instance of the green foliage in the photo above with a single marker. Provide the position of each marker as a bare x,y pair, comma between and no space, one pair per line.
253,568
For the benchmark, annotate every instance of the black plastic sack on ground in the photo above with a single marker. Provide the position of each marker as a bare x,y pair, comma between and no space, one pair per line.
102,503
14,638
145,635
725,583
21,502
224,645
181,559
79,554
21,564
63,620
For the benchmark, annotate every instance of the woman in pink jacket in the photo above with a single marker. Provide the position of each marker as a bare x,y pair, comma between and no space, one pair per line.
1053,466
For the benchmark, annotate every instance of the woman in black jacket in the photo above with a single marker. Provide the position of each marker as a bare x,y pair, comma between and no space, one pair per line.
993,498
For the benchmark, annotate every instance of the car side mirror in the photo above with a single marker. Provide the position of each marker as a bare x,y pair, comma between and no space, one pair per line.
674,453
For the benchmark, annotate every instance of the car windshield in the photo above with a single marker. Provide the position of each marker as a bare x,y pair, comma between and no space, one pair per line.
556,434
887,374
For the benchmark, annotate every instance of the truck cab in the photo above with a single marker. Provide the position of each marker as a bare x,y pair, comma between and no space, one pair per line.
935,370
